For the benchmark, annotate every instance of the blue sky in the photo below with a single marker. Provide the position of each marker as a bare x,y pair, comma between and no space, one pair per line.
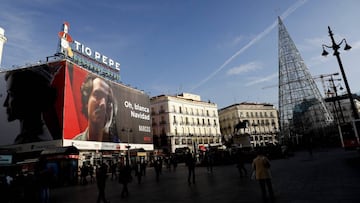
225,51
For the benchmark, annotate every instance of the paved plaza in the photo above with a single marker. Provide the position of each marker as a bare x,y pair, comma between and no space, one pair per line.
330,175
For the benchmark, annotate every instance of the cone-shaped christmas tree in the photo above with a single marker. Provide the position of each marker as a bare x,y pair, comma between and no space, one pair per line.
301,107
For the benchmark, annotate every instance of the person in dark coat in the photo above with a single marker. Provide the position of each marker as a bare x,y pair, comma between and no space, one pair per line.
101,176
157,167
125,178
190,163
138,172
241,163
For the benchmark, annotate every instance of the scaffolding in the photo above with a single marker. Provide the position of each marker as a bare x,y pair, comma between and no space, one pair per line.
302,110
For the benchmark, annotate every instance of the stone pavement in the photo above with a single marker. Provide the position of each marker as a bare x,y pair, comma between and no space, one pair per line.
330,175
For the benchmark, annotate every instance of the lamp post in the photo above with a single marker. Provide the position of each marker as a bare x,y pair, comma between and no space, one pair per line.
128,131
336,111
334,87
336,47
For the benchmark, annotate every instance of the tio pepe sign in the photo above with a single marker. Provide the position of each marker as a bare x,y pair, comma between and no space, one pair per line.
68,46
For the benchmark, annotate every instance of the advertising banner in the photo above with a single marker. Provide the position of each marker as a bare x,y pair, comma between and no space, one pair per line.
102,114
32,106
61,104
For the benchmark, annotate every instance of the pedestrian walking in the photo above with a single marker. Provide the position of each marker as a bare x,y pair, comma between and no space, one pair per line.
124,178
190,162
143,166
44,176
174,162
101,176
91,173
157,167
209,158
261,166
113,171
83,174
138,172
241,163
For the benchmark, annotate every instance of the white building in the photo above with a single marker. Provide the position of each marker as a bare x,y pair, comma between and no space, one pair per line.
184,121
340,108
262,122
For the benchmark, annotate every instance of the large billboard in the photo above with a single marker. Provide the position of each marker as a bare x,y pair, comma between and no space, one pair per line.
32,107
62,104
102,114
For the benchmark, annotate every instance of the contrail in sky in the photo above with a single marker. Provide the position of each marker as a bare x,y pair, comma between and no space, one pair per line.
290,10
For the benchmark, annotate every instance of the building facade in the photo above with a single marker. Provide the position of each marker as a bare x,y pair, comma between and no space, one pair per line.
340,108
184,121
260,122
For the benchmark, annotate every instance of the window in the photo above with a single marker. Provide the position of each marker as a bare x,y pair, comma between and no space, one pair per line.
163,121
162,109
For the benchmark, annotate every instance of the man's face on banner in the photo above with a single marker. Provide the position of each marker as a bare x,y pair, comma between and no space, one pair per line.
97,104
13,102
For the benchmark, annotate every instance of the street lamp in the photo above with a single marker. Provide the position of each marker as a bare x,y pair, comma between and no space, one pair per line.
336,47
128,130
334,87
336,111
